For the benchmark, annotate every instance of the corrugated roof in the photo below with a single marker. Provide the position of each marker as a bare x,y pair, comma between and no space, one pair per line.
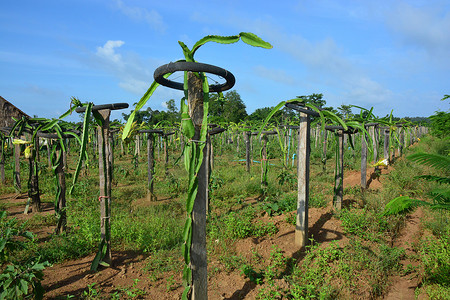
3,99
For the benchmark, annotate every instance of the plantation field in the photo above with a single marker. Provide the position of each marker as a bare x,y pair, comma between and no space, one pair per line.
354,253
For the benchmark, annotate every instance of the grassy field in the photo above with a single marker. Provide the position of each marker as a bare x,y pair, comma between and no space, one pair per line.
361,261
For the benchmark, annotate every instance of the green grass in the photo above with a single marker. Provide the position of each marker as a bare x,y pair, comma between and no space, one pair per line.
361,266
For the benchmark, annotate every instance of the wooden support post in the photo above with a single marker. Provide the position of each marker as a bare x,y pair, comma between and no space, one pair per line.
137,149
392,146
247,149
105,171
401,139
386,145
208,167
339,176
198,247
151,165
363,162
301,228
33,189
411,136
372,133
166,156
37,145
2,161
159,146
345,140
111,155
61,204
49,151
406,140
211,154
324,151
17,183
33,181
67,143
288,150
317,133
263,161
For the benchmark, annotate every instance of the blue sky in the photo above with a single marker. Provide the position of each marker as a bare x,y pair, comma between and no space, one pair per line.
382,54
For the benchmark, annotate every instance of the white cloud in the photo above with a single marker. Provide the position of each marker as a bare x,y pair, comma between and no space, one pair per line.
139,14
134,86
134,73
330,69
275,75
107,51
425,27
368,92
323,55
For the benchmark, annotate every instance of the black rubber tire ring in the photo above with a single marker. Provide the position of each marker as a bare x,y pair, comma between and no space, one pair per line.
216,130
155,131
193,67
113,106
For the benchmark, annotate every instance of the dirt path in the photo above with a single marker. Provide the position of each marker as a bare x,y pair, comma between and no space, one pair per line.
403,286
129,268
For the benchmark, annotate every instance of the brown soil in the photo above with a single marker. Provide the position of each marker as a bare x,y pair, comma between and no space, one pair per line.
403,286
73,277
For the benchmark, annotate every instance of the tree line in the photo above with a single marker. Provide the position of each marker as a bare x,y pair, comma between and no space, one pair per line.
231,108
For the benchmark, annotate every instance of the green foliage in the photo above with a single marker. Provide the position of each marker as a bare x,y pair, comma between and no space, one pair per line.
440,196
18,280
440,124
138,231
363,271
345,111
10,230
232,262
287,178
132,292
238,225
317,199
277,204
65,246
91,292
252,275
364,223
260,114
402,204
152,117
435,258
229,108
162,261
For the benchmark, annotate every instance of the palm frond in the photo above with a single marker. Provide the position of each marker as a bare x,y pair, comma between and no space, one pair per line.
437,179
445,206
441,195
402,204
437,161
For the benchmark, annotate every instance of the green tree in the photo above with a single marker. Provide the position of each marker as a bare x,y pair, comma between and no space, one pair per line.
345,111
318,101
141,116
152,117
229,108
260,114
440,122
314,99
172,108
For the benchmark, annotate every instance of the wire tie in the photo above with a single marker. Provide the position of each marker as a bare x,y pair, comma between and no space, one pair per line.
197,141
100,197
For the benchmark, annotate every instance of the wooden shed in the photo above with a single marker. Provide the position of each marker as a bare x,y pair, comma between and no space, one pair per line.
8,111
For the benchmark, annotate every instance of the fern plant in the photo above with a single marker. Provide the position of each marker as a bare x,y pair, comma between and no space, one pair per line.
440,196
